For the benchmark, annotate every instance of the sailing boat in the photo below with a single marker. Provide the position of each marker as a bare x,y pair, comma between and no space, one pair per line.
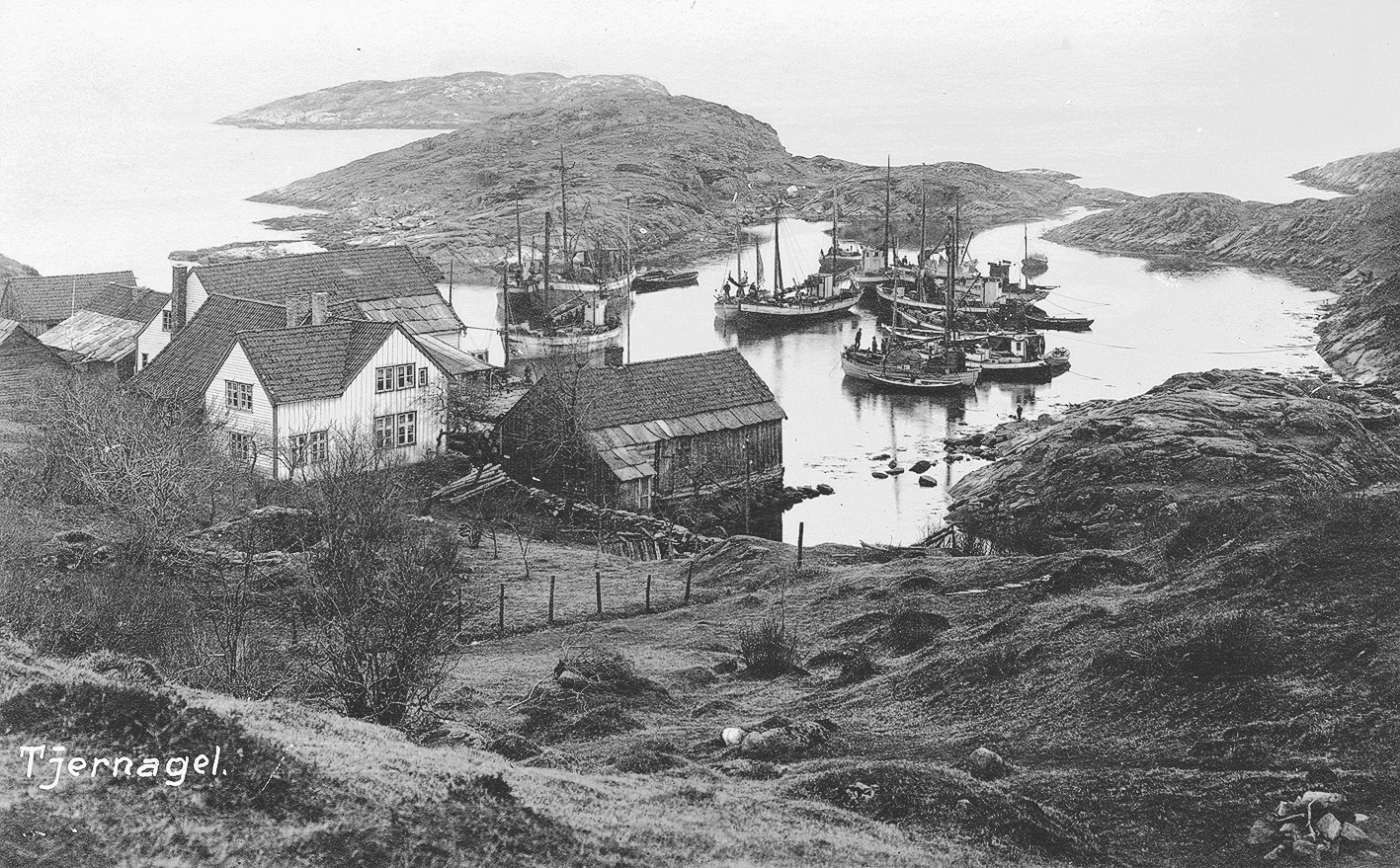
819,295
880,267
579,323
913,365
604,272
1034,264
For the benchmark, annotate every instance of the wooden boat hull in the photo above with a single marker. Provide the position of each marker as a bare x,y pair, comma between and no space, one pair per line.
875,373
654,280
528,344
758,312
1060,323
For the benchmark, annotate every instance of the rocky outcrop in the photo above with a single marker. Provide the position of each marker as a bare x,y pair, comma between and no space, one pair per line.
444,102
1354,174
680,171
1110,474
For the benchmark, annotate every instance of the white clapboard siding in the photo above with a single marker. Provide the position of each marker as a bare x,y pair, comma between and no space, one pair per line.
353,413
258,422
195,296
152,340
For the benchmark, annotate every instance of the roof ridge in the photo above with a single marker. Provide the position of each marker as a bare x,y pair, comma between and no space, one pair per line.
304,256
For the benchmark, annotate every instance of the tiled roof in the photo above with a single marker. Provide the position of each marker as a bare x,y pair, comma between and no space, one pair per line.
185,368
7,327
94,337
709,387
421,314
138,304
360,275
300,364
49,299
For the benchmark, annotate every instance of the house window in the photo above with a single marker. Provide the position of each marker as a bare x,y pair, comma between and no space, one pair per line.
395,430
145,359
165,320
240,446
238,396
391,378
304,449
422,376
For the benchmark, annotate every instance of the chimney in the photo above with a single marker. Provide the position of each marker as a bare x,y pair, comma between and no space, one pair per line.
179,282
298,309
320,307
612,357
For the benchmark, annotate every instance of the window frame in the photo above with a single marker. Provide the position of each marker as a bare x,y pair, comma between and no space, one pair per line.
309,449
166,318
396,430
398,378
246,449
238,396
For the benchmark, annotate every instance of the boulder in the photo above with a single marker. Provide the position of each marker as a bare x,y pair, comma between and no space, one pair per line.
926,481
986,765
825,489
878,475
920,466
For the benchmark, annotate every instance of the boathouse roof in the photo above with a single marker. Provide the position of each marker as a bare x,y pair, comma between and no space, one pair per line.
623,410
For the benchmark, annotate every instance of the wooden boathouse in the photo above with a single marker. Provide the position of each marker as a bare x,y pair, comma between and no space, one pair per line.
630,436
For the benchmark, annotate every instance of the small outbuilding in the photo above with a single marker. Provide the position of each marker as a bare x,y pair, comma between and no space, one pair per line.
627,436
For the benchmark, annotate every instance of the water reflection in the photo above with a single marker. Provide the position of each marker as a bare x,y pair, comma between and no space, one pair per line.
1147,327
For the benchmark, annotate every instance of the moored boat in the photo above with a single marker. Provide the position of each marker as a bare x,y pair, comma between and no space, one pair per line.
660,278
1018,355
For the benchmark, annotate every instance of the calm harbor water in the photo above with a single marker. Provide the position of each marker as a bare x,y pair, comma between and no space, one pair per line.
1147,327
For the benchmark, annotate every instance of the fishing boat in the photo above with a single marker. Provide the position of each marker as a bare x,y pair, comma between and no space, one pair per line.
883,265
819,295
1017,355
1036,317
843,256
579,324
912,363
600,271
1033,264
650,281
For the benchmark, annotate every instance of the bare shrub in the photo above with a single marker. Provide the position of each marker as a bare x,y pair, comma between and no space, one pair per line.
769,648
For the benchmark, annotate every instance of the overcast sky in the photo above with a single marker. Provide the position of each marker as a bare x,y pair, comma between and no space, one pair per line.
1146,95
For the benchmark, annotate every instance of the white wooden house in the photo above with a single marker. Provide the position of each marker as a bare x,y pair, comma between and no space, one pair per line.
289,395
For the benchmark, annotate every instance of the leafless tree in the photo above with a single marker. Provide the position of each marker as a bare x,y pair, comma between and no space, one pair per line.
383,587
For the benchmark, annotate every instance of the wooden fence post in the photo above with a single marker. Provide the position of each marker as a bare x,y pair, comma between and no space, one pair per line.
501,618
800,528
598,589
551,601
648,593
690,574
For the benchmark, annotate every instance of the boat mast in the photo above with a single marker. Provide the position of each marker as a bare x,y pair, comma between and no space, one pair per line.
548,228
948,308
519,244
777,258
833,233
923,242
888,258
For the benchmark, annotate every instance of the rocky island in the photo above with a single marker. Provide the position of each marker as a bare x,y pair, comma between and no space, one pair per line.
682,171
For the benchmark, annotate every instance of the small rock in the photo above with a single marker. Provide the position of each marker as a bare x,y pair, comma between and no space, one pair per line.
732,735
1276,852
878,475
1353,833
895,471
1306,849
986,765
1329,826
920,466
881,457
1262,832
825,489
927,481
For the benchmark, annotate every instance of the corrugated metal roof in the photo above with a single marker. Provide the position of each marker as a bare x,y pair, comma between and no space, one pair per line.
95,337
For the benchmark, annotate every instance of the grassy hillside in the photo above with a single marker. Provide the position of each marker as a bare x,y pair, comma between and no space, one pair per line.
1153,699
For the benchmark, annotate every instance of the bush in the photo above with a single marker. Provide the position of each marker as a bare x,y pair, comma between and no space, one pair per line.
768,648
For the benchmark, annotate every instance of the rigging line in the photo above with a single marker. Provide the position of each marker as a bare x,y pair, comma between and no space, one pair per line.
1260,352
1085,376
1085,300
1110,346
1062,307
